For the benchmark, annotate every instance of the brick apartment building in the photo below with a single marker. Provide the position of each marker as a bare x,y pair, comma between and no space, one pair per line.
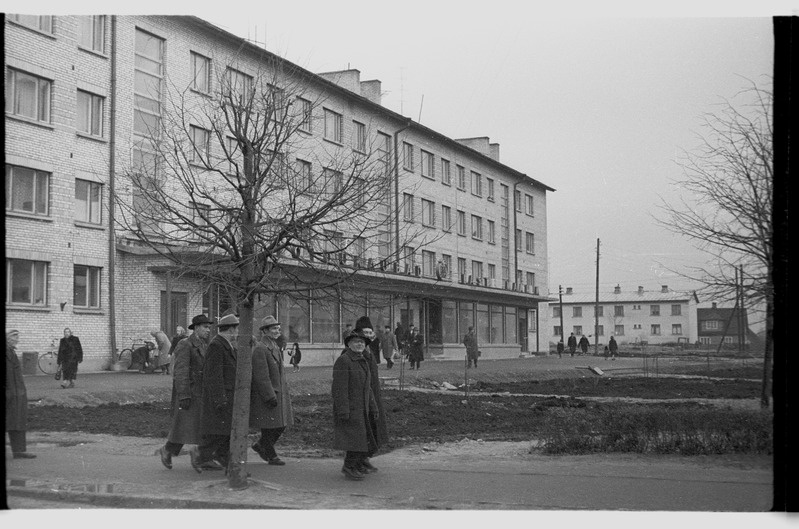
75,117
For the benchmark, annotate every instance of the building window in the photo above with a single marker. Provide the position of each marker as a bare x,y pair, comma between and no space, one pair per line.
305,176
446,218
491,232
86,287
578,330
88,201
599,311
28,95
200,214
146,185
199,145
461,223
38,22
477,270
461,178
655,329
407,156
600,330
477,184
408,259
428,213
447,262
654,310
531,279
518,240
490,185
710,325
428,165
636,326
200,73
705,340
305,114
359,136
618,310
238,87
445,175
26,282
147,84
90,113
529,204
676,328
517,198
618,330
556,331
556,311
334,126
91,32
27,190
428,263
577,312
529,242
462,268
676,310
492,271
477,228
407,207
334,181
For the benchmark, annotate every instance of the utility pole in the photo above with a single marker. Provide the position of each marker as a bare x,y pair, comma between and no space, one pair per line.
596,304
562,330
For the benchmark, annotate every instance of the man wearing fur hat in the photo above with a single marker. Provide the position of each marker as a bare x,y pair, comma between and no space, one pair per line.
364,327
219,382
270,401
16,400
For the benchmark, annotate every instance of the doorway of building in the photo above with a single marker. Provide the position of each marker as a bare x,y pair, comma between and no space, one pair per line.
178,312
523,338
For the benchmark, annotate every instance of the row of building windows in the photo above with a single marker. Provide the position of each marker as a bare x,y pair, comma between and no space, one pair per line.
27,282
91,28
618,330
618,310
28,192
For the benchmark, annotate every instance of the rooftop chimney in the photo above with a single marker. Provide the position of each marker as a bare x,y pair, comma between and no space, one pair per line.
617,290
482,145
349,79
371,90
640,290
568,290
664,288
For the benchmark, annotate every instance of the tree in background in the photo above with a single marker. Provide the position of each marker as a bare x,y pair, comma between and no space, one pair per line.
725,206
227,186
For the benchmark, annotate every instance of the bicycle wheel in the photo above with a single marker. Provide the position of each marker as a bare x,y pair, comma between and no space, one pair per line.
48,364
123,360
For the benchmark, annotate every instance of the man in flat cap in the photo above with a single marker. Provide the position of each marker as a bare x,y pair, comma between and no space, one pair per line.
16,400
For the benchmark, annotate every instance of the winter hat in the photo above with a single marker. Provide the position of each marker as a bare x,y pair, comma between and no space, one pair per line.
269,321
199,320
228,320
364,323
356,334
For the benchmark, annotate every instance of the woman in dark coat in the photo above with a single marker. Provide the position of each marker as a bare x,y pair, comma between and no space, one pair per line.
354,406
416,346
70,354
16,400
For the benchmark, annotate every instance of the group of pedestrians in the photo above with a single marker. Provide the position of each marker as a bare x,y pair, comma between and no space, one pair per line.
411,344
611,349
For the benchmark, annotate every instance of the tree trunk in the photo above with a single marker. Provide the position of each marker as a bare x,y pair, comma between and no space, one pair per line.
765,396
240,428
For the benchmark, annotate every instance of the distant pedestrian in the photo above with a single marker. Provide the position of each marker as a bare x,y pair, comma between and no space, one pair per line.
560,348
415,348
388,346
163,345
572,343
180,333
584,344
355,410
296,356
16,400
614,348
270,401
187,389
70,354
607,352
402,338
472,352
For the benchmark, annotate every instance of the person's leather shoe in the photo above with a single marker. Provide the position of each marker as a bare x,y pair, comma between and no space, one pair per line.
276,461
166,458
260,452
367,468
351,473
195,460
24,455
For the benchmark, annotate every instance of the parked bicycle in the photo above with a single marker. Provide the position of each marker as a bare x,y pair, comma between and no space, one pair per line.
123,359
48,361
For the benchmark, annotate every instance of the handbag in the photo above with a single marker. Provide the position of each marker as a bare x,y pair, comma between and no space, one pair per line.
395,355
58,374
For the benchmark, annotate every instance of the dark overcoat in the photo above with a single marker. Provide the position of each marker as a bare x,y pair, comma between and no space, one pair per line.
70,354
352,402
584,344
16,394
614,347
388,342
378,426
416,345
470,341
572,343
187,383
269,383
219,383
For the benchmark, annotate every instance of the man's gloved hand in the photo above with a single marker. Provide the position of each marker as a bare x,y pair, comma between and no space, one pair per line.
185,404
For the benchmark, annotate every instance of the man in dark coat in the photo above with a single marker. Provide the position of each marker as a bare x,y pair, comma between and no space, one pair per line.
614,348
560,349
270,401
187,389
415,347
219,383
402,338
354,407
572,344
16,400
70,354
584,344
388,344
470,341
364,326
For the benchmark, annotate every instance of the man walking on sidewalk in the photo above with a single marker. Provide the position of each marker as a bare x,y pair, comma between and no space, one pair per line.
16,400
472,352
187,389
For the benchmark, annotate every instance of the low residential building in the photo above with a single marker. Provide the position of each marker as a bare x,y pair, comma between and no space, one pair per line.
716,325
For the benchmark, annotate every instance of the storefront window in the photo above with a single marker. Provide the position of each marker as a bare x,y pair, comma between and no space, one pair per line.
497,325
295,319
380,311
449,322
353,306
465,318
325,318
434,331
482,326
511,325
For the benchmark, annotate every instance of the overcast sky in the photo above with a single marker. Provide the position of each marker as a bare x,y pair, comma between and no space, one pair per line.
596,104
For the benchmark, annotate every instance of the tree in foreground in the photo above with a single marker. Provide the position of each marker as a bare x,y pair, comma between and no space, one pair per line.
725,206
229,189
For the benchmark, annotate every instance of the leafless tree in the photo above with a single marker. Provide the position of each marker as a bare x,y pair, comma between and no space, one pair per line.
230,189
725,206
